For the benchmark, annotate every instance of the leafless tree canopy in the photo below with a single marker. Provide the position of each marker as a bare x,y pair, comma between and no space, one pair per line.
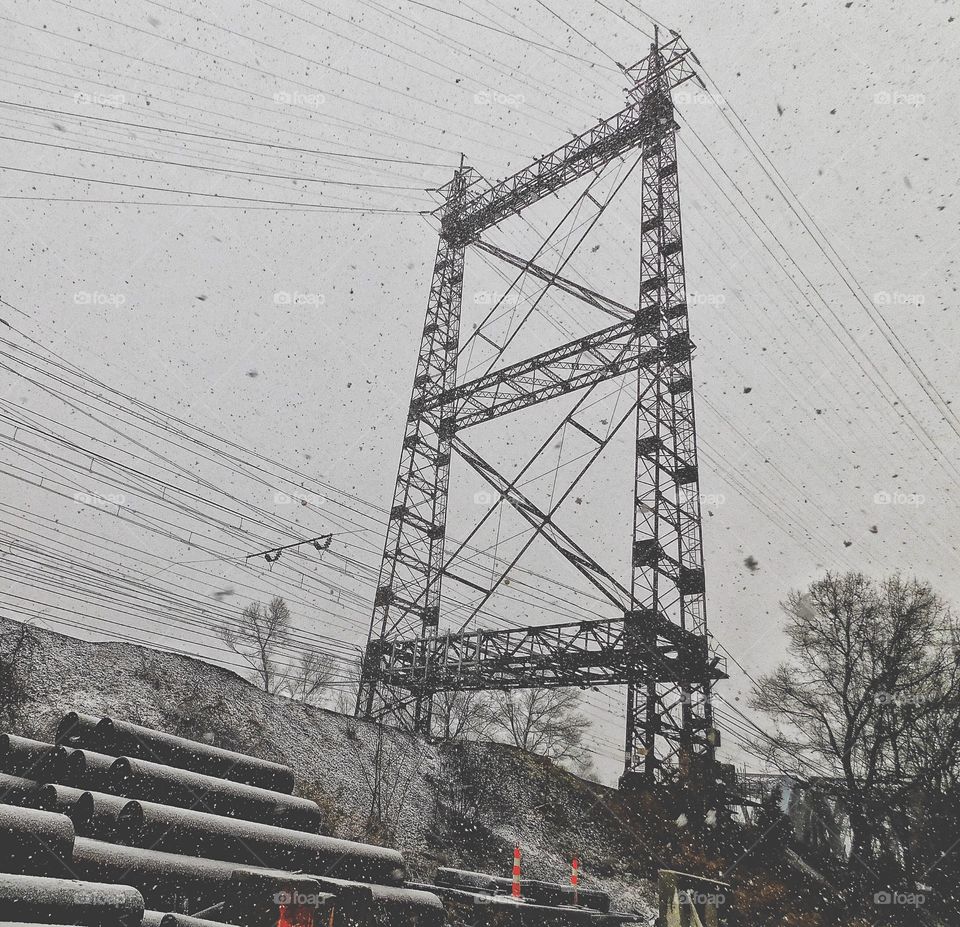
546,722
262,639
463,715
870,694
258,638
19,648
309,680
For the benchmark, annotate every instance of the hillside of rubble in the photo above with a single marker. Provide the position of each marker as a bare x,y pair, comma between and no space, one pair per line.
461,806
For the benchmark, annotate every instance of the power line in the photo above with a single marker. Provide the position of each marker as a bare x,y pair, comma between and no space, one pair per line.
219,170
135,186
224,139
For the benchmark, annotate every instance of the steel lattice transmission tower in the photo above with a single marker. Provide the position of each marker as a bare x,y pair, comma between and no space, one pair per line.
657,644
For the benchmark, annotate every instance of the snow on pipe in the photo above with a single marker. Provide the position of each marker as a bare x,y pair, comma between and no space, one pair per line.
243,895
247,895
179,830
534,890
162,878
34,842
171,919
466,879
165,785
509,912
25,793
406,906
94,814
413,904
549,893
262,897
31,759
123,738
89,904
86,769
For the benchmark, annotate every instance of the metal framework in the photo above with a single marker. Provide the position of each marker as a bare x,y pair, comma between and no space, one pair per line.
656,645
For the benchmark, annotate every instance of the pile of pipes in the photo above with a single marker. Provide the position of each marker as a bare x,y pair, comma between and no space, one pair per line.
121,826
479,898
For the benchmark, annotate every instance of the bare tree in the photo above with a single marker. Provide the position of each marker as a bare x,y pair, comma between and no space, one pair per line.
309,679
348,688
259,638
262,639
462,715
870,695
546,722
19,651
387,770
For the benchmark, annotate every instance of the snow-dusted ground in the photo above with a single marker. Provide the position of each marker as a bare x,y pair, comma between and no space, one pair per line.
554,814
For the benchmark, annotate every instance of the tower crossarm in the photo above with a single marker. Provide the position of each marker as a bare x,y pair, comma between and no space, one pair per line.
605,354
611,651
582,155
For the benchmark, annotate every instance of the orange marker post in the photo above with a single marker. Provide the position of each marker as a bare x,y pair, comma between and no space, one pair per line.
575,877
516,871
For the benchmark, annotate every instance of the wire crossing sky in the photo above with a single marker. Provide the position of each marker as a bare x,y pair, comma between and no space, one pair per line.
218,244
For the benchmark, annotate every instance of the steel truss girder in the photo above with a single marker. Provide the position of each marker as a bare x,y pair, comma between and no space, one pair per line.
582,155
614,651
591,297
600,356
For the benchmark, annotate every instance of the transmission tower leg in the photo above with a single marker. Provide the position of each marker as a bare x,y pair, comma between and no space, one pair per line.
407,603
669,722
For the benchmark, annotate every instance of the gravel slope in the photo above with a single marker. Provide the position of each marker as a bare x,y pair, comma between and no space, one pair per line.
462,808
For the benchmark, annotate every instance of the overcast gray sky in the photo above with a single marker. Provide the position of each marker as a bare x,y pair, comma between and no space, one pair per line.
814,394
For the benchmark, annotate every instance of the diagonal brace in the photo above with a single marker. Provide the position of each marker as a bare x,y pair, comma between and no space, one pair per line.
537,518
591,297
